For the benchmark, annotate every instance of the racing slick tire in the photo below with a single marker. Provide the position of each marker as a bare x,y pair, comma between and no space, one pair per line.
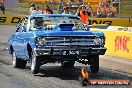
35,63
17,62
67,64
94,67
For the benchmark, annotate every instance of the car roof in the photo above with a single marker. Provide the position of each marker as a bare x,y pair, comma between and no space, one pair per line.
54,15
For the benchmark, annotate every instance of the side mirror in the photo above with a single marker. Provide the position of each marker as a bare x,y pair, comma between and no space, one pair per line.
23,29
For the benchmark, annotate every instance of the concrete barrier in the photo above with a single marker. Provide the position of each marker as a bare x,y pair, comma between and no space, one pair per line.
118,43
15,18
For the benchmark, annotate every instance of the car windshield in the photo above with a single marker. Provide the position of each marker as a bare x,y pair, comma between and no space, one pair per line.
52,21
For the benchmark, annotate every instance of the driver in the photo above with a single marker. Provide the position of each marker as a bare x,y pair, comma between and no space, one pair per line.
37,24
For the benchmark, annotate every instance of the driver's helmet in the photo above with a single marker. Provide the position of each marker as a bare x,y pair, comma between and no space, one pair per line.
38,23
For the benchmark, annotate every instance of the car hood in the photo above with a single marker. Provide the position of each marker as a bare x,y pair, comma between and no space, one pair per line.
68,33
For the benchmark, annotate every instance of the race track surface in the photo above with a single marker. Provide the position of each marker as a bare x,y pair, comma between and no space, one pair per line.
52,75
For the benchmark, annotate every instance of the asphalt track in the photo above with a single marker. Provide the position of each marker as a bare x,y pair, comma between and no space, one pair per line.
52,75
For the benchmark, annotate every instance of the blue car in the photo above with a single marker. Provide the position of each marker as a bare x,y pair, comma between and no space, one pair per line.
42,39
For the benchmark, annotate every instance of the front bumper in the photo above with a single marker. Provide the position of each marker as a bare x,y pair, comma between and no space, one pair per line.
83,51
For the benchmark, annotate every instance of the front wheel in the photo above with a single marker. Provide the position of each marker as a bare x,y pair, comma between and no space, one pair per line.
35,64
17,62
94,67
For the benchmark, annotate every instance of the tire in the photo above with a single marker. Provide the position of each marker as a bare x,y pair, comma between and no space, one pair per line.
67,64
94,67
17,62
35,64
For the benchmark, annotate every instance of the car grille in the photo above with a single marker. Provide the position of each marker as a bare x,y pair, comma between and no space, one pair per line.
70,41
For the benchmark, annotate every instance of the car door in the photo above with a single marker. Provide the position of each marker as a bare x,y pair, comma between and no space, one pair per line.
19,43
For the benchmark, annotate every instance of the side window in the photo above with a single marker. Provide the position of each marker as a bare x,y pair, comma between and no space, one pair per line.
22,26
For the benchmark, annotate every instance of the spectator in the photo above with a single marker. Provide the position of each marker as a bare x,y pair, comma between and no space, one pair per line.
2,6
109,13
32,7
108,2
52,1
104,13
116,4
60,8
104,10
99,12
83,14
47,10
62,2
113,10
101,3
89,6
89,9
36,11
65,11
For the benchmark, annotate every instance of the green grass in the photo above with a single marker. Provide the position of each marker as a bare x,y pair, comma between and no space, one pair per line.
21,1
126,2
126,11
24,5
18,10
120,15
126,7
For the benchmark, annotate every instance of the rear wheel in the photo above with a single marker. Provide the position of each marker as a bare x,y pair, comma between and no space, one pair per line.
94,67
17,62
67,64
35,64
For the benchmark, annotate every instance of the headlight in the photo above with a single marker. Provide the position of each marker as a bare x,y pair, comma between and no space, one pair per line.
40,41
99,40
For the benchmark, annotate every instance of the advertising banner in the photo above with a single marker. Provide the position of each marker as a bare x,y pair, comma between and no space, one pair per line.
111,21
10,18
118,43
126,22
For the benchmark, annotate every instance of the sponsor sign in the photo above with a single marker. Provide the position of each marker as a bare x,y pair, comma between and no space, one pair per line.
121,43
111,21
118,43
15,18
10,19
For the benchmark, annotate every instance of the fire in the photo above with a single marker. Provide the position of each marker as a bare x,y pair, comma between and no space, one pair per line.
84,78
84,73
